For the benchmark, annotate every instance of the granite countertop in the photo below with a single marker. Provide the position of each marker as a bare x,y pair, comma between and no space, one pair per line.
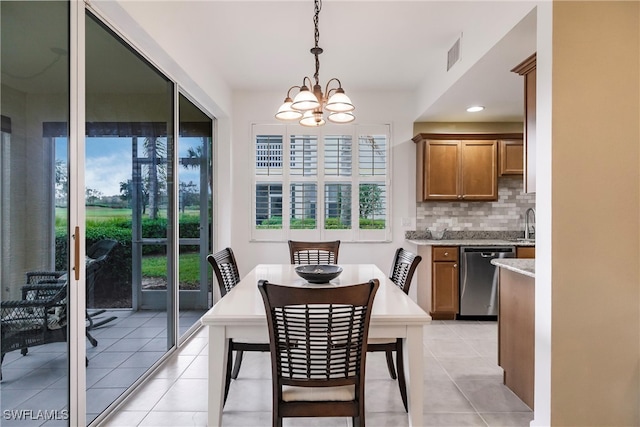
469,238
471,242
525,266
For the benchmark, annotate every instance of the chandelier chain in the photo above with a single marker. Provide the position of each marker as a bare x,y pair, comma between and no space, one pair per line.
310,104
316,51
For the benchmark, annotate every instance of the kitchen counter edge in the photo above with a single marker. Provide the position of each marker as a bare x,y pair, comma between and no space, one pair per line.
469,242
524,266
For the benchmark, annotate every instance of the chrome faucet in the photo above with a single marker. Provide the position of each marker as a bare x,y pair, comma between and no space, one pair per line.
529,228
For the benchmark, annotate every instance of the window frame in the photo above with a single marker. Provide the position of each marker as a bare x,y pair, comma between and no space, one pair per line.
353,234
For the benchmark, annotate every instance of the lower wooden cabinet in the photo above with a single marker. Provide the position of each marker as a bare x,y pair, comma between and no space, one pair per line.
444,282
525,252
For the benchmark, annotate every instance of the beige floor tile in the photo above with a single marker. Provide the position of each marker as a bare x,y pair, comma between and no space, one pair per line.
508,419
444,397
491,396
470,368
148,395
125,418
249,395
175,419
185,395
175,366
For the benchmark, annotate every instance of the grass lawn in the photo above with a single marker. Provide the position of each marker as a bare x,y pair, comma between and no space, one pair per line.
98,213
189,274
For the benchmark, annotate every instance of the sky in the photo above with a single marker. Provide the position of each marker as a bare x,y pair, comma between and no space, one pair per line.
108,162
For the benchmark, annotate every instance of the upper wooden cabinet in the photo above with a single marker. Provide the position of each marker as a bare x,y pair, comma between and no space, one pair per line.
511,156
457,166
527,68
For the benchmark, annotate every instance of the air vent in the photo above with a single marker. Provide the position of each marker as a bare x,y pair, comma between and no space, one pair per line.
453,55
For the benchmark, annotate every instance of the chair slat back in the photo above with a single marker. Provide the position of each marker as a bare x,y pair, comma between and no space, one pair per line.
318,336
225,268
404,265
314,252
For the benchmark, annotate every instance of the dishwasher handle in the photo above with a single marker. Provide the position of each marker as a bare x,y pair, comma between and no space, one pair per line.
486,249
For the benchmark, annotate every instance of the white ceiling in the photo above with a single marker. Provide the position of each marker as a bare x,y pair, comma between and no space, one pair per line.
369,45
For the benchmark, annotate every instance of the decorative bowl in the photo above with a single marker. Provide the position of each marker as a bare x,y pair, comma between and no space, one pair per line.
318,273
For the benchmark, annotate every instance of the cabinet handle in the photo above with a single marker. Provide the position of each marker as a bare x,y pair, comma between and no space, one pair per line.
455,265
446,254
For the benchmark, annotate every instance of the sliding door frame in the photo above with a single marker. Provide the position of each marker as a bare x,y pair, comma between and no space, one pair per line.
76,243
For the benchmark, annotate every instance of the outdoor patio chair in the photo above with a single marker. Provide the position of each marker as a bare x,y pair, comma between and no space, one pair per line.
40,317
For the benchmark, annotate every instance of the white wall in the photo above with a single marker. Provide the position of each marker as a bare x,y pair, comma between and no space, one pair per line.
371,108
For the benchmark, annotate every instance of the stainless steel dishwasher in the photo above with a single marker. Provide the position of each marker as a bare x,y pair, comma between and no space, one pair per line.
479,280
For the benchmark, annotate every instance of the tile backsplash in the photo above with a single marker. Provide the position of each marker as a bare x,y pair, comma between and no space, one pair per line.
506,213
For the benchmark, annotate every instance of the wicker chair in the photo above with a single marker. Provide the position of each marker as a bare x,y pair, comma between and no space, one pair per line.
314,252
318,340
226,270
403,267
40,317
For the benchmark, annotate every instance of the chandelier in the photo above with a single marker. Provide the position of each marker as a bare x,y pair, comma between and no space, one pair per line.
308,107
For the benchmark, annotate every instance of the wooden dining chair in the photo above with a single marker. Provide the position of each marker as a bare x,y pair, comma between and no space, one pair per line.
227,274
318,344
314,252
402,269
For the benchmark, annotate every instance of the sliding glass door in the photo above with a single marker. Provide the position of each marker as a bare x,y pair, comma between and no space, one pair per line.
36,284
106,215
129,182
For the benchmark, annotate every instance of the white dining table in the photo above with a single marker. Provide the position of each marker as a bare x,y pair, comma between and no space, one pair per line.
240,315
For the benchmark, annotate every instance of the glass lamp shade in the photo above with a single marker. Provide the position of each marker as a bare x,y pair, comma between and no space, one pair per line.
339,103
305,100
342,117
312,119
285,112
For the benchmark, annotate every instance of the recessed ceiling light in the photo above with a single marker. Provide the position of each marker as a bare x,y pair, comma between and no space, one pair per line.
475,108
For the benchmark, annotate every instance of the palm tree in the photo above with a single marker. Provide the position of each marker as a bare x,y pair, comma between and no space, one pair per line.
155,172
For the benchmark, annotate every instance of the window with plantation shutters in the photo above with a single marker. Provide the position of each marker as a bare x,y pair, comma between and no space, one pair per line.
322,183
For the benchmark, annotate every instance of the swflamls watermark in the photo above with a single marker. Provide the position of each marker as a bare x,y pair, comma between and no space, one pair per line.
39,414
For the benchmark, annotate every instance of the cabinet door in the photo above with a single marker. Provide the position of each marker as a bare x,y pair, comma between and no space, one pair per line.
479,170
445,288
442,163
511,157
526,252
530,131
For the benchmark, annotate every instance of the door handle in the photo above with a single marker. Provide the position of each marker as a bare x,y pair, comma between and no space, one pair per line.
76,255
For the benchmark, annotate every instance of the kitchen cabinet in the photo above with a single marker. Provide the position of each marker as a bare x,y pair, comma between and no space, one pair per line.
458,166
527,69
511,156
444,282
516,333
525,252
